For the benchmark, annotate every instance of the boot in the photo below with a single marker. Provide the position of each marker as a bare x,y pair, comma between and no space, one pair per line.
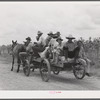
88,74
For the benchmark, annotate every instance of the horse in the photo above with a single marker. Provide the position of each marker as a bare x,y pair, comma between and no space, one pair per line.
16,49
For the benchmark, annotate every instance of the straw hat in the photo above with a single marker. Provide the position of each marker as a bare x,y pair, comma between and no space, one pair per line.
70,37
58,33
39,33
50,33
28,38
59,39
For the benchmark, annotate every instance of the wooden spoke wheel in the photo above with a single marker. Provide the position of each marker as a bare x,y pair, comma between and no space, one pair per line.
26,68
79,71
45,70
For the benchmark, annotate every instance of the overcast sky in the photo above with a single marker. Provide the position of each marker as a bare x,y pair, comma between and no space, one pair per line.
21,19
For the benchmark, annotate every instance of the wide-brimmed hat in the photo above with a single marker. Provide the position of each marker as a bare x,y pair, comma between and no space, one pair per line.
50,33
79,41
59,39
39,33
70,37
58,33
28,38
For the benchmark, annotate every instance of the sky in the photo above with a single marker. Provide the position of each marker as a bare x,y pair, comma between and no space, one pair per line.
19,20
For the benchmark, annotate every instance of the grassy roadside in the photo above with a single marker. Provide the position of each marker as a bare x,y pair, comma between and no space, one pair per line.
6,58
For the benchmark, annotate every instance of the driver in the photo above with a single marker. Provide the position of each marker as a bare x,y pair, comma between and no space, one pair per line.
28,44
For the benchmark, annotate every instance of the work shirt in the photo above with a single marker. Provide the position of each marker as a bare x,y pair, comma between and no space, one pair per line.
41,41
44,42
58,48
71,46
29,47
48,41
53,43
82,53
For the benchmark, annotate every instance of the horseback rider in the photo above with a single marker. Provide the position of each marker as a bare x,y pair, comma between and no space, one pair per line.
70,49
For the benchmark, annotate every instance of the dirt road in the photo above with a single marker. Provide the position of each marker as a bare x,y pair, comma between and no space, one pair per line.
11,80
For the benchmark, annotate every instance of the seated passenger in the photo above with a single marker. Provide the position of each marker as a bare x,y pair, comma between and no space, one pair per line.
83,56
58,50
53,43
42,44
70,49
39,36
56,35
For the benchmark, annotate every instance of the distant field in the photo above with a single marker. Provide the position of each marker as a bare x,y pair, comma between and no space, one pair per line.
95,58
6,58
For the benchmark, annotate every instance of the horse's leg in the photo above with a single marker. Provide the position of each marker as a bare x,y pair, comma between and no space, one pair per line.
12,62
18,62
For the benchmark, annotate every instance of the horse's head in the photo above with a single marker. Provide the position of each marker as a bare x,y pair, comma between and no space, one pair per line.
14,44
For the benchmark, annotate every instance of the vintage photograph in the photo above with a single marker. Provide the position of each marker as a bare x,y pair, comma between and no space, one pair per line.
48,46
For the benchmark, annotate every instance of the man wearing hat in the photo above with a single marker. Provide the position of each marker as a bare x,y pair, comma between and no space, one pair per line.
28,45
28,40
56,35
39,38
83,57
58,50
48,38
70,49
42,44
39,34
53,41
59,41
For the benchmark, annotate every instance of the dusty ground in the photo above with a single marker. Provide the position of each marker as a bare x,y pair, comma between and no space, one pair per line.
10,80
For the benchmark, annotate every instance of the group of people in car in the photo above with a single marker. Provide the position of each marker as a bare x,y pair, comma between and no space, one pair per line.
70,49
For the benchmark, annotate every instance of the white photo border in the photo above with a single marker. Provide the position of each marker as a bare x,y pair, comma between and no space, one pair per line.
50,94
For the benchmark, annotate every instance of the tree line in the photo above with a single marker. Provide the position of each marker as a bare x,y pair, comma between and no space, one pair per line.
5,49
91,46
